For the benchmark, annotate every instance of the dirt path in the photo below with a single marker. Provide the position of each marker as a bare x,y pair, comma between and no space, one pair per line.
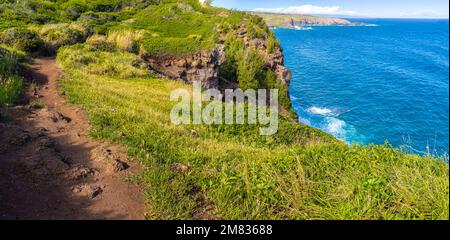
50,169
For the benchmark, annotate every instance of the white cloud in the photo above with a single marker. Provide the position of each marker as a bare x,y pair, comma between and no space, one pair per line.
308,9
427,13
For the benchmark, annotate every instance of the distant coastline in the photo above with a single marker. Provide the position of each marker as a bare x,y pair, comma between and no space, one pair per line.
281,20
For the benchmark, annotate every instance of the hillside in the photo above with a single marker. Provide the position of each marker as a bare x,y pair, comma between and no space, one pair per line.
291,20
121,59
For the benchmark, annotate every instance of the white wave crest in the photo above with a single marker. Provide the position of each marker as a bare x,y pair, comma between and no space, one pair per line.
320,111
304,121
336,127
303,28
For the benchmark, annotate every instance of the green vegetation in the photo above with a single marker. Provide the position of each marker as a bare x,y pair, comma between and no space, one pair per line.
61,34
157,27
21,39
231,172
10,82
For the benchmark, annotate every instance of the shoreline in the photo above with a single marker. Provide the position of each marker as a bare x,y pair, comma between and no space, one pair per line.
415,147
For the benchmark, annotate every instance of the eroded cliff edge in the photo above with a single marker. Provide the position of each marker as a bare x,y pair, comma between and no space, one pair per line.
246,56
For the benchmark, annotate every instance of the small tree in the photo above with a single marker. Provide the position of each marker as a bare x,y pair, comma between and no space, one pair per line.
250,70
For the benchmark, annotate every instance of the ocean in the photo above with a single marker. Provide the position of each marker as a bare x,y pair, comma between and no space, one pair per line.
387,82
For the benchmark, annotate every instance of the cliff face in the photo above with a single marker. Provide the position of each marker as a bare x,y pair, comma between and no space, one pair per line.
202,66
274,60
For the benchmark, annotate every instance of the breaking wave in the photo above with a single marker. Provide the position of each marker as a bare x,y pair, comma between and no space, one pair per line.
328,120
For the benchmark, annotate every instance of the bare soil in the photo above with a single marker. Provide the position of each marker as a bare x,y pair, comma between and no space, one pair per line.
51,169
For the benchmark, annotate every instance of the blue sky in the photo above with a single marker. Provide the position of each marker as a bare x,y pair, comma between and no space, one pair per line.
353,8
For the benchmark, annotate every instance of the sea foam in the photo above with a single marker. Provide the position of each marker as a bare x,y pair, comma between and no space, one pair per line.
320,111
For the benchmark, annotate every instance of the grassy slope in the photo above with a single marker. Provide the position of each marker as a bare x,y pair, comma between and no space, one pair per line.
300,173
174,29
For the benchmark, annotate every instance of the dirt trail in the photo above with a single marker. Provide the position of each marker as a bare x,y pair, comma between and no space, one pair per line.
50,168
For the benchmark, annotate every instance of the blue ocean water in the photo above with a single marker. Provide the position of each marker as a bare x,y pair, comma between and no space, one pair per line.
369,84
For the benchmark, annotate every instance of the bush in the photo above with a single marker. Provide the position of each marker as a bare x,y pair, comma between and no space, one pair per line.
10,88
256,27
250,71
73,10
22,39
272,43
58,35
8,63
126,40
10,82
100,43
254,32
234,52
91,60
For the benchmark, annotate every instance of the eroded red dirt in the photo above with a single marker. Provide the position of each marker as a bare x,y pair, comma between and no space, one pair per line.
50,168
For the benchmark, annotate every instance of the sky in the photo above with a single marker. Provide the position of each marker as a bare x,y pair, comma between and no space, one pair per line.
349,8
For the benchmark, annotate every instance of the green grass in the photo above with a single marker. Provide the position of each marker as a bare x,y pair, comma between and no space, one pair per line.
172,29
233,172
299,173
10,82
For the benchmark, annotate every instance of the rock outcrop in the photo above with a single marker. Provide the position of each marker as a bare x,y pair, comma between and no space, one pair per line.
202,66
274,60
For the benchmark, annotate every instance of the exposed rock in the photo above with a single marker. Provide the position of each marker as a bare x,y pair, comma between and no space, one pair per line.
80,172
55,117
202,66
94,191
122,134
52,164
45,142
119,165
194,133
36,105
274,61
21,139
179,168
88,191
64,117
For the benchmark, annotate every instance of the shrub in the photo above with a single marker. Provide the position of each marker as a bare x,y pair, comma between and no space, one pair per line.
8,63
254,31
73,10
126,40
250,71
89,59
10,88
272,43
58,35
100,43
234,52
256,27
10,82
22,39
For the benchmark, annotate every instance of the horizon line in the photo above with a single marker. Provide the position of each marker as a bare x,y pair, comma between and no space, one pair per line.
346,16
